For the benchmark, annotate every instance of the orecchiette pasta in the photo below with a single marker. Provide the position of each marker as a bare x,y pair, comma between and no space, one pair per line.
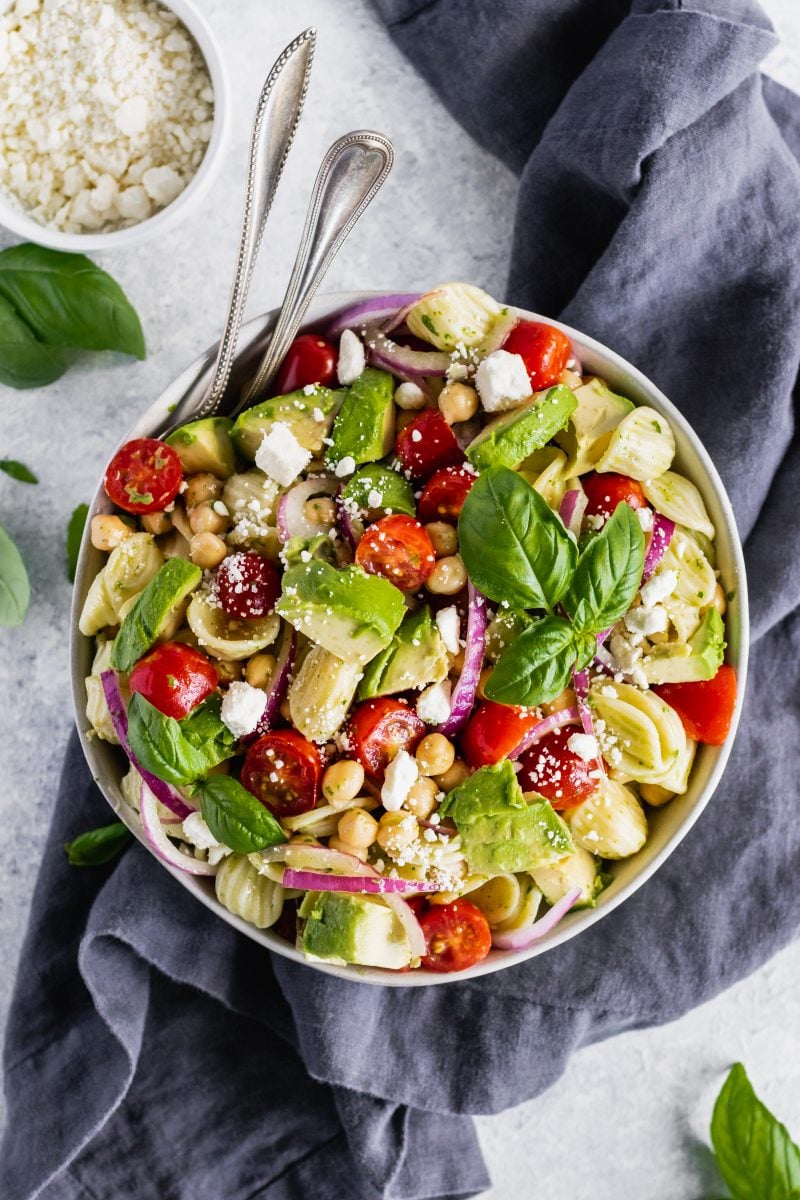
611,822
638,732
253,897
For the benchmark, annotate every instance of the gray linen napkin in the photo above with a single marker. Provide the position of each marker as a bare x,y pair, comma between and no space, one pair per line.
151,1052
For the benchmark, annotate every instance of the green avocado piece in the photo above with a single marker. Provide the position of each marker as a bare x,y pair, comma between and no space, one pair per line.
205,445
396,493
352,614
157,612
504,628
415,658
591,425
512,436
364,426
309,415
296,548
501,830
347,928
689,662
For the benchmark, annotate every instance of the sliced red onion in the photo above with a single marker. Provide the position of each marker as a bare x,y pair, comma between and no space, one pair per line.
580,682
499,332
574,364
402,361
463,696
520,939
399,318
372,312
466,431
556,720
660,538
279,682
158,841
438,827
351,528
164,792
290,515
572,509
317,881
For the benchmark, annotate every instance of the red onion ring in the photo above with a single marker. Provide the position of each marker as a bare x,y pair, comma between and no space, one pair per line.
520,939
372,312
408,364
660,538
279,682
463,696
556,720
317,881
158,841
351,528
572,509
290,517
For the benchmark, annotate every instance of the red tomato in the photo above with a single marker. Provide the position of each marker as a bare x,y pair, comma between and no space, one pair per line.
544,349
282,770
175,678
457,936
309,359
143,476
427,444
494,730
444,494
248,586
605,491
399,549
378,729
706,707
556,772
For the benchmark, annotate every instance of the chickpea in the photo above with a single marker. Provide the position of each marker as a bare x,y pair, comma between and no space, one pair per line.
453,776
358,828
458,402
204,519
108,532
202,489
435,754
359,852
565,699
486,675
409,397
260,669
443,537
421,799
342,781
206,550
654,795
396,832
181,521
320,510
156,523
227,671
447,577
720,600
570,378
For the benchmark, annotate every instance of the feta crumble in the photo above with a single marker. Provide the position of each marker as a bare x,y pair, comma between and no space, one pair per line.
242,708
502,381
401,775
197,834
433,705
448,623
647,620
345,466
281,456
352,358
658,587
409,397
584,745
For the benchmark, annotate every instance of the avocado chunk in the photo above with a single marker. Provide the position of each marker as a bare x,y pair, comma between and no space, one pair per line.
504,628
352,614
376,487
302,550
157,613
347,928
364,426
591,425
501,830
510,438
308,415
689,662
205,446
415,658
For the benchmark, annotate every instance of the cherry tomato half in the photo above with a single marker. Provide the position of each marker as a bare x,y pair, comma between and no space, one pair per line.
444,494
605,490
493,731
544,349
558,773
427,444
705,707
282,770
378,729
248,586
143,476
457,936
399,549
309,359
175,678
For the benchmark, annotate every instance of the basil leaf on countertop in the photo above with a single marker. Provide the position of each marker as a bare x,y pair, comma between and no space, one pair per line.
235,817
98,846
755,1154
161,744
24,361
68,301
15,590
17,470
513,545
74,534
536,666
608,574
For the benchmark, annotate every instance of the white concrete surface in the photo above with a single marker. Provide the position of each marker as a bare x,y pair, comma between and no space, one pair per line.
629,1118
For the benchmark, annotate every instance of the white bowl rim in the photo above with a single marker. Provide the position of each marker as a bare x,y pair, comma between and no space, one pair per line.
575,923
15,218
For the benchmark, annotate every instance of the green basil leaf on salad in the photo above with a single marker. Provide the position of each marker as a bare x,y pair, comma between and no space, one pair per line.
205,730
17,470
98,846
513,545
536,666
756,1156
15,590
608,574
26,362
162,746
235,817
74,534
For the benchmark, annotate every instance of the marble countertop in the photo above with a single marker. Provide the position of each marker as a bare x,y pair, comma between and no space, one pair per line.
628,1119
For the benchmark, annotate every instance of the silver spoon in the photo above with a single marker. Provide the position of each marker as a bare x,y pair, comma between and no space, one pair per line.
350,176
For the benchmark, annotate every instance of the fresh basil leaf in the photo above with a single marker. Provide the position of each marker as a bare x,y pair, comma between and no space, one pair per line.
26,362
15,590
17,470
756,1156
585,649
159,745
608,574
74,534
536,666
205,730
513,545
98,846
68,301
235,817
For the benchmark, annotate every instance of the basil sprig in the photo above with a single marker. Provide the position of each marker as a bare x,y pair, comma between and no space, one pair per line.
179,752
98,846
756,1156
15,590
17,470
235,817
517,552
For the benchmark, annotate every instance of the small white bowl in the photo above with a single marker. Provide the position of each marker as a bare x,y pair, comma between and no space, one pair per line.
14,216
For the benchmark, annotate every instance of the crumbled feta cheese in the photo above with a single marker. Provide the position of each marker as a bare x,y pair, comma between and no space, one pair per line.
502,381
645,516
448,623
196,831
625,653
352,358
658,587
345,466
281,456
433,705
242,708
584,745
374,498
401,775
647,620
409,397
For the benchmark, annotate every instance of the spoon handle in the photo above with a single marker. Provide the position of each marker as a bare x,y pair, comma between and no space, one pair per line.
351,174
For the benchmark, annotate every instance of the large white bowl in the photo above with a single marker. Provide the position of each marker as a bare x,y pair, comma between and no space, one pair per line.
14,217
667,825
